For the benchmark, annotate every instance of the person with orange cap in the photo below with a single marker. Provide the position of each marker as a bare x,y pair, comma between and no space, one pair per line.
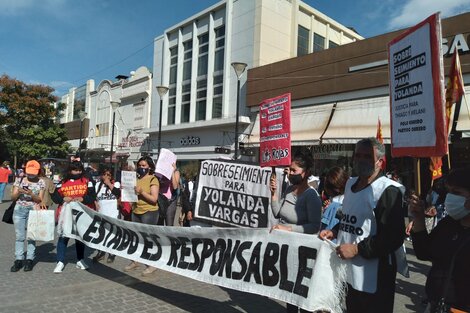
28,192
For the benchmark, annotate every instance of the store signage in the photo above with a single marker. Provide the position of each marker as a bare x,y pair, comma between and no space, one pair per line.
417,96
190,141
458,42
131,141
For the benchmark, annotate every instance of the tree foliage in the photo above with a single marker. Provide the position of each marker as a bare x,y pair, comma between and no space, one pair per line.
29,117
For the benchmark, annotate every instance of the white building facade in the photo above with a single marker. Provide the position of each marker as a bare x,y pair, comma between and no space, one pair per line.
133,95
193,59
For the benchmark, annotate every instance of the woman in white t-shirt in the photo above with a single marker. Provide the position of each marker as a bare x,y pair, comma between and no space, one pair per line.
108,193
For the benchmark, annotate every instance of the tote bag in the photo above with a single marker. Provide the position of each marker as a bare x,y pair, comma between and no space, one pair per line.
41,224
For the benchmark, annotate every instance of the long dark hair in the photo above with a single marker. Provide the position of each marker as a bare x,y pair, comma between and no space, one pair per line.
73,166
149,162
305,162
335,181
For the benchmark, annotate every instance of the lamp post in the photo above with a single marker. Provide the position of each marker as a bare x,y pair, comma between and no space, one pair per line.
162,90
82,115
239,69
114,106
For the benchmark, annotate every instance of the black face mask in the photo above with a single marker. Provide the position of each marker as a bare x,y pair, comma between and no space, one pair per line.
295,179
32,178
75,177
141,172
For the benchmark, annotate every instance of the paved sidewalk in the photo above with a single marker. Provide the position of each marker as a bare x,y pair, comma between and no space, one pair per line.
106,288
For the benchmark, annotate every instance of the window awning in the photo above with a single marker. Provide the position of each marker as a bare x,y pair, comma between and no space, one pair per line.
357,119
307,125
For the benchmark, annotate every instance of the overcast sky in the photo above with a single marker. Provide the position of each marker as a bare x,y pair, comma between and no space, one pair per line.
63,43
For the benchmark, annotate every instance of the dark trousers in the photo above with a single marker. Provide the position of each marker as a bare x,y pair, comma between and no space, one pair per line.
380,301
62,247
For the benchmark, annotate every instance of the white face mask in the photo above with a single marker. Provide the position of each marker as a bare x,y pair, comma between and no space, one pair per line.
455,206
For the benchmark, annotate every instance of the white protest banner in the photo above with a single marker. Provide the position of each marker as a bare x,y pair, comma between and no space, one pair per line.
291,267
417,96
128,182
233,194
164,164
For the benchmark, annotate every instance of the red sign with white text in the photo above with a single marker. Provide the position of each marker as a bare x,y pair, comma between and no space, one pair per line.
275,145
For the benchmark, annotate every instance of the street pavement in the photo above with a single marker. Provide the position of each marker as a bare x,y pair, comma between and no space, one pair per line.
107,288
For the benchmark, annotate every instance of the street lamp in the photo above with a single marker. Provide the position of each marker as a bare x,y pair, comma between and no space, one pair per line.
239,69
162,90
114,106
82,116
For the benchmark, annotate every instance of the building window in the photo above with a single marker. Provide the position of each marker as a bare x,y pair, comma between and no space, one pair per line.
139,116
171,105
79,102
102,129
203,55
217,99
201,110
173,64
331,44
188,55
302,41
318,42
185,102
219,49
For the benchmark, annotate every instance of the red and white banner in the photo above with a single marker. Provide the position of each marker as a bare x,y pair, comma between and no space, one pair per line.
275,139
417,99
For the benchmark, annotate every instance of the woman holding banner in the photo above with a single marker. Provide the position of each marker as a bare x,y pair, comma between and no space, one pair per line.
74,187
447,246
145,211
300,209
107,194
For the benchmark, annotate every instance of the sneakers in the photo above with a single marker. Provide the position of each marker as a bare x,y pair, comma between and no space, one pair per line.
110,258
59,267
81,265
28,265
16,266
133,265
148,271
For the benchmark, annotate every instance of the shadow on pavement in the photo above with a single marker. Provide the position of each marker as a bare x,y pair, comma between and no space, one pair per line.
188,302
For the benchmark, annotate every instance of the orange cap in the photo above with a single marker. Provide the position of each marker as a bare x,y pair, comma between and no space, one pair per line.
33,167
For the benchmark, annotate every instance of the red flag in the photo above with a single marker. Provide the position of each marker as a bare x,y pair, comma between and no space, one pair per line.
381,140
454,88
379,132
435,167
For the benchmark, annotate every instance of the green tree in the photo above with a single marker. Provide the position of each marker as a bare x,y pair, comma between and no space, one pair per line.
29,120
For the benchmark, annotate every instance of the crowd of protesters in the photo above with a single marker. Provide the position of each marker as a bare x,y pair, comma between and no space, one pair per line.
364,215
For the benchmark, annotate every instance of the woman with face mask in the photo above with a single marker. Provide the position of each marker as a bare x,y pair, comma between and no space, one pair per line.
335,182
448,244
28,192
299,210
145,211
73,187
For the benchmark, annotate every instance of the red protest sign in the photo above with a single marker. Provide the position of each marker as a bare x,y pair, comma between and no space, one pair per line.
275,140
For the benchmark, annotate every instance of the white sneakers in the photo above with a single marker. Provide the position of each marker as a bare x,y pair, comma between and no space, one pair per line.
59,267
81,265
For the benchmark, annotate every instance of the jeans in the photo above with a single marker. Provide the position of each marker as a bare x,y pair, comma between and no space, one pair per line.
62,248
2,190
171,212
150,217
20,220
